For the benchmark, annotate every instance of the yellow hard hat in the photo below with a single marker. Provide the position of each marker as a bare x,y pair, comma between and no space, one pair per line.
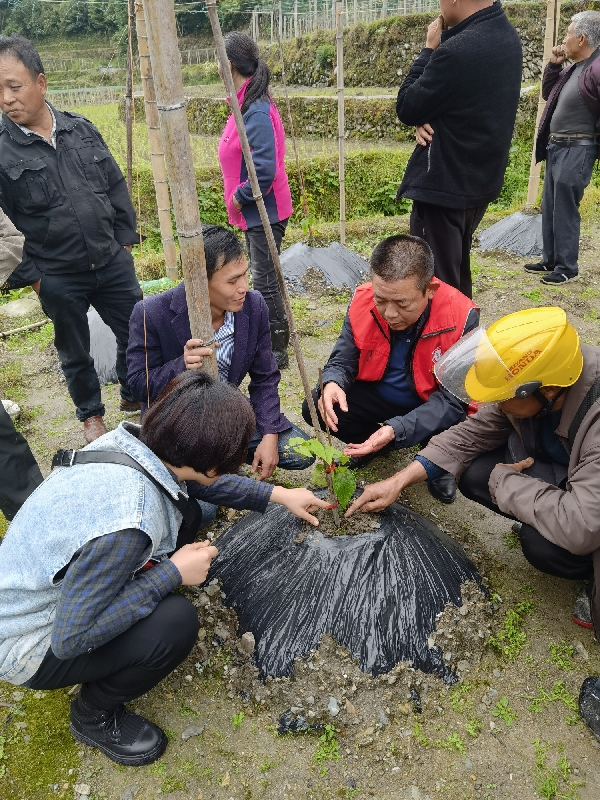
515,357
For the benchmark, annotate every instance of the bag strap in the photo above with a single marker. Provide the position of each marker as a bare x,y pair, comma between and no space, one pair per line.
587,402
70,458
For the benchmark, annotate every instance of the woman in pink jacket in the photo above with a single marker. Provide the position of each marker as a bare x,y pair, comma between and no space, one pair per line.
267,142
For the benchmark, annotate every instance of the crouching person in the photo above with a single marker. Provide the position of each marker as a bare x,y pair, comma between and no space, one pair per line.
89,563
380,392
161,346
531,452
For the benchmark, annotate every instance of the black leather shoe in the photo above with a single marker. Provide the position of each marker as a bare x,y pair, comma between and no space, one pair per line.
443,488
540,266
589,704
122,736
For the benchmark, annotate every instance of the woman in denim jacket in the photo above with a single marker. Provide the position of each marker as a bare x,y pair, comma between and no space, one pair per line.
114,533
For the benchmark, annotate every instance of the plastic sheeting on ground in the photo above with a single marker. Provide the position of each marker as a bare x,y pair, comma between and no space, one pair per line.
376,593
339,266
519,233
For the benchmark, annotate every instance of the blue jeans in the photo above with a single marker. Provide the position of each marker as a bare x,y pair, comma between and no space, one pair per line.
288,459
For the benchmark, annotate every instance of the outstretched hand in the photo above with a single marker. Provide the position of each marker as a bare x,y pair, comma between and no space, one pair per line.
299,501
377,496
375,442
332,395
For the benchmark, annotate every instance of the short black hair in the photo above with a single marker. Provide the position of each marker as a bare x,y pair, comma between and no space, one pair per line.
199,422
220,247
402,256
23,50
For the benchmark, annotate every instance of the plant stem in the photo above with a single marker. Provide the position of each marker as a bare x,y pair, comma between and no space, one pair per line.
328,477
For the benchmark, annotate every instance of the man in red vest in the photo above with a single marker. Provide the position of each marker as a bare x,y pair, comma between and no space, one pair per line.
380,392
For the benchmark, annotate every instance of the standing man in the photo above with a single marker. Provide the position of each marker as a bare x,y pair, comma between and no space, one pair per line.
62,188
462,94
567,139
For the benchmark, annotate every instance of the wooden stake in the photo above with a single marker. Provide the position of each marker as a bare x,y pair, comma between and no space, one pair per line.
328,477
211,7
129,96
166,68
157,156
552,21
339,40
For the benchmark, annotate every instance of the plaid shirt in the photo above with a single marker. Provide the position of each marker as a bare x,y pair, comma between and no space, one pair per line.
224,338
100,597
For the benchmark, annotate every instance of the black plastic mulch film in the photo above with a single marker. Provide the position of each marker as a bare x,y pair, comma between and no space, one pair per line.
376,593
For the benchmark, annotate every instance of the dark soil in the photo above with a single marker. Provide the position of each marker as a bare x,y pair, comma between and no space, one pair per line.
357,524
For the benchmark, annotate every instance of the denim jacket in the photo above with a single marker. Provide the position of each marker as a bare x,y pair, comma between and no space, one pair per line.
71,507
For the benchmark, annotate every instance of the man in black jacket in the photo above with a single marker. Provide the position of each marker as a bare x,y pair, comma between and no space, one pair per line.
63,190
462,94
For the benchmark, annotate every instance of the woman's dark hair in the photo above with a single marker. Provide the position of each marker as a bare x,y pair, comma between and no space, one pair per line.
19,47
242,51
201,423
220,247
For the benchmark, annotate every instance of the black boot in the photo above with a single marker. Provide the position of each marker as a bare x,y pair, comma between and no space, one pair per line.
122,736
443,488
280,338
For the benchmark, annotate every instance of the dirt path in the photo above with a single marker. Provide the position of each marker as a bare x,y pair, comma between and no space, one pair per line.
510,728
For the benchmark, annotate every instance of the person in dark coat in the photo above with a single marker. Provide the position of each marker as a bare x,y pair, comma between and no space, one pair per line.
462,94
567,139
64,191
161,346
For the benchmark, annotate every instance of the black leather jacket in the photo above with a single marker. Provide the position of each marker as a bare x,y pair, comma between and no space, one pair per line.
71,203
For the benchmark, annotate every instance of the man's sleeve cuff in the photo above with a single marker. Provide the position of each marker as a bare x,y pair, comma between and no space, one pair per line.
397,426
432,470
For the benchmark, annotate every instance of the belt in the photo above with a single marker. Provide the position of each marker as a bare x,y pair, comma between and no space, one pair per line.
576,140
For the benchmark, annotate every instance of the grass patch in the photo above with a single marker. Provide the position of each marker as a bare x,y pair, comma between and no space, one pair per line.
511,540
50,747
12,382
504,712
328,749
39,339
511,638
558,694
553,782
562,655
237,719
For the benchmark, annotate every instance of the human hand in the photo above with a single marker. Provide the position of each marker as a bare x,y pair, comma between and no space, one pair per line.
266,456
127,247
424,134
299,501
520,465
36,286
332,393
377,496
194,353
375,442
236,203
559,54
434,33
193,562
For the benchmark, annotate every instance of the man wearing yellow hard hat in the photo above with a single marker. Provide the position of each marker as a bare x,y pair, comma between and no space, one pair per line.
531,451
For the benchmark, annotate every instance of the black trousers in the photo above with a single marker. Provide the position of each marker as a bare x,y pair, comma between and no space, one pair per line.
449,233
367,410
541,554
264,279
130,664
19,472
112,290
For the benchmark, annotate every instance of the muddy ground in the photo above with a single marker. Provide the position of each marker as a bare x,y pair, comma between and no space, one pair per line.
509,728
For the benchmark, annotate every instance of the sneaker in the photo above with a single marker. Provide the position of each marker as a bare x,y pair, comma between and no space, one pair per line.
122,736
589,704
582,610
539,267
556,278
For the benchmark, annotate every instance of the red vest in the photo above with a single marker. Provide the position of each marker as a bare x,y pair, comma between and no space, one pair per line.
446,323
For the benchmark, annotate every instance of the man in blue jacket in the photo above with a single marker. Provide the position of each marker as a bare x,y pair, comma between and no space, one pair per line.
462,94
161,346
64,191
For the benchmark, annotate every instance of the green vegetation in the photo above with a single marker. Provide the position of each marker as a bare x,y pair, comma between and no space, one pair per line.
553,782
504,712
330,460
419,735
511,638
38,338
452,742
237,719
473,727
559,693
328,749
562,655
12,382
511,540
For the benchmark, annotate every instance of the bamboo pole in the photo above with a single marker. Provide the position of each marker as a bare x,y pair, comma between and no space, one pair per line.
211,7
157,156
129,96
552,18
166,69
339,41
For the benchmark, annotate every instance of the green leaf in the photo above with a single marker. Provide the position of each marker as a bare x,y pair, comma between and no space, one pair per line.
344,485
318,475
318,450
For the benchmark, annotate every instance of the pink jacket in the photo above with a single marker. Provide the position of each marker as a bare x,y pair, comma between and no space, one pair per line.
267,142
